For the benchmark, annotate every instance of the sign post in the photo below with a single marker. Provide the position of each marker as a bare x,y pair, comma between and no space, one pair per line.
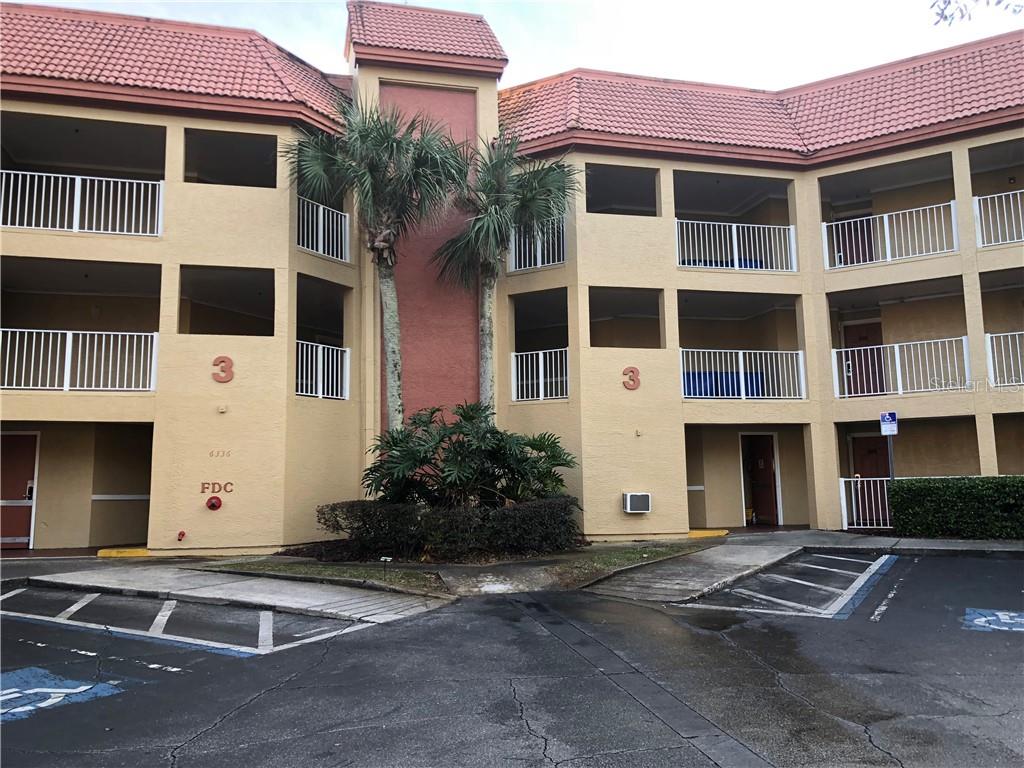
890,427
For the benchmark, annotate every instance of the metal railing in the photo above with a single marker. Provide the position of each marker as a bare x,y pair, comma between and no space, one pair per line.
999,219
864,502
897,369
542,247
743,374
53,201
542,375
735,246
321,370
78,360
926,231
322,230
1005,353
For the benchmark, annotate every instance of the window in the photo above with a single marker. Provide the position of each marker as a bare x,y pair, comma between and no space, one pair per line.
622,189
230,301
626,317
237,159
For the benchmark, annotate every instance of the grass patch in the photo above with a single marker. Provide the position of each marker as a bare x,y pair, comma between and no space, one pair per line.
602,560
393,577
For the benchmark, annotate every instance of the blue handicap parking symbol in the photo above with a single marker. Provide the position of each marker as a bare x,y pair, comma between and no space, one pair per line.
23,692
985,620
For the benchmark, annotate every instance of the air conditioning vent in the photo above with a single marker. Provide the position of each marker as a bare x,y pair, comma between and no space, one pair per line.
636,503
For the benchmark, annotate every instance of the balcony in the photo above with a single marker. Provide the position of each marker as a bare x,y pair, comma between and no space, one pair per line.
927,231
541,375
735,374
999,219
322,230
543,247
1005,353
78,360
95,204
899,369
321,371
713,245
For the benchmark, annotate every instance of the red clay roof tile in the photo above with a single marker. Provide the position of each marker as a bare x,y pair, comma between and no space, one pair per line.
133,51
929,90
430,30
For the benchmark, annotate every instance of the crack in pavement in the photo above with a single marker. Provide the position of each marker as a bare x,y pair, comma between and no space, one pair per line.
781,684
526,721
172,756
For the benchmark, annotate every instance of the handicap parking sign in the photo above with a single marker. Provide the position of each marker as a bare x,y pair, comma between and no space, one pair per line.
985,620
23,692
887,420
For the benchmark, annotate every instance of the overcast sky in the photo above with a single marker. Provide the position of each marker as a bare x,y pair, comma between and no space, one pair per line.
752,43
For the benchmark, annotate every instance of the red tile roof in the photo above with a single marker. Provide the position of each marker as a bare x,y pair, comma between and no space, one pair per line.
960,88
132,58
410,36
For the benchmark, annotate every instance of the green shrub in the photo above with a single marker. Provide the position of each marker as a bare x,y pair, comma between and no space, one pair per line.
374,529
958,507
467,462
410,531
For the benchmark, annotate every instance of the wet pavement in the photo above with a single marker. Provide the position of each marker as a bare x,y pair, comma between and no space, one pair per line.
926,671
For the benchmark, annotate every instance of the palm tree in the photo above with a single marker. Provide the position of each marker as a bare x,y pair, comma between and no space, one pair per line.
505,192
401,172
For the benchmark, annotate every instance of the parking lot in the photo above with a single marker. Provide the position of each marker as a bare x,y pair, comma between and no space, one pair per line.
819,585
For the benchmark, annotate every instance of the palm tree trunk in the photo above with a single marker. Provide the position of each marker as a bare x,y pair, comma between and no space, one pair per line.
391,332
488,283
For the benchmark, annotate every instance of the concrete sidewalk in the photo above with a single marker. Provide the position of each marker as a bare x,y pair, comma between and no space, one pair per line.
172,583
690,576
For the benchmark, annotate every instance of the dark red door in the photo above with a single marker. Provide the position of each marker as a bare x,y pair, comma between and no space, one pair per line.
17,481
870,500
863,362
870,456
761,471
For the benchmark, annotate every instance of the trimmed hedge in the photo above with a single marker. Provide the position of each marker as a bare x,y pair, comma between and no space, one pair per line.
958,507
409,531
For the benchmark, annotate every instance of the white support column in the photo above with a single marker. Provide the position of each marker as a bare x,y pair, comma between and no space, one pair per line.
886,235
897,352
540,375
154,359
734,233
68,337
989,362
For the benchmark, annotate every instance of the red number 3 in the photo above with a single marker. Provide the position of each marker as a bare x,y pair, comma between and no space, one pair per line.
632,375
225,369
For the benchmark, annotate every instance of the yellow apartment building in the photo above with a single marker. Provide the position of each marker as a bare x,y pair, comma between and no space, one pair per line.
744,281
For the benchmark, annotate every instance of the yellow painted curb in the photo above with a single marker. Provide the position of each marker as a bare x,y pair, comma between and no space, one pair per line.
125,552
707,533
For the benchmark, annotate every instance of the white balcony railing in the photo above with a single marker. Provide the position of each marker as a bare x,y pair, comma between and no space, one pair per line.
540,375
735,246
321,371
322,230
897,369
999,219
81,203
864,502
78,360
743,374
543,247
1005,353
926,231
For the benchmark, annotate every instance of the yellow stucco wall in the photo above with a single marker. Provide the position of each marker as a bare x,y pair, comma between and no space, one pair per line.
1009,429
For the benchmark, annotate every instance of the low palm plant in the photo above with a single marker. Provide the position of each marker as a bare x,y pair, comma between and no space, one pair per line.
400,172
505,192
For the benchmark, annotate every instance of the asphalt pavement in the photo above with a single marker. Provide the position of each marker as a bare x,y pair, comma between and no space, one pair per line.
924,671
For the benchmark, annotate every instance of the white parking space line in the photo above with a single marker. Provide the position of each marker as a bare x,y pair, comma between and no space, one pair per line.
266,640
848,559
823,568
157,628
777,601
841,601
12,593
68,613
824,587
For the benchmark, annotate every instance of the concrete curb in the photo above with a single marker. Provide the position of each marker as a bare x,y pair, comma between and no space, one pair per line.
644,564
897,549
341,581
723,583
185,597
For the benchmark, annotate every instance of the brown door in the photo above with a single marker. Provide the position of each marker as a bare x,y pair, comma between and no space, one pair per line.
855,241
17,489
760,455
870,503
863,369
870,456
